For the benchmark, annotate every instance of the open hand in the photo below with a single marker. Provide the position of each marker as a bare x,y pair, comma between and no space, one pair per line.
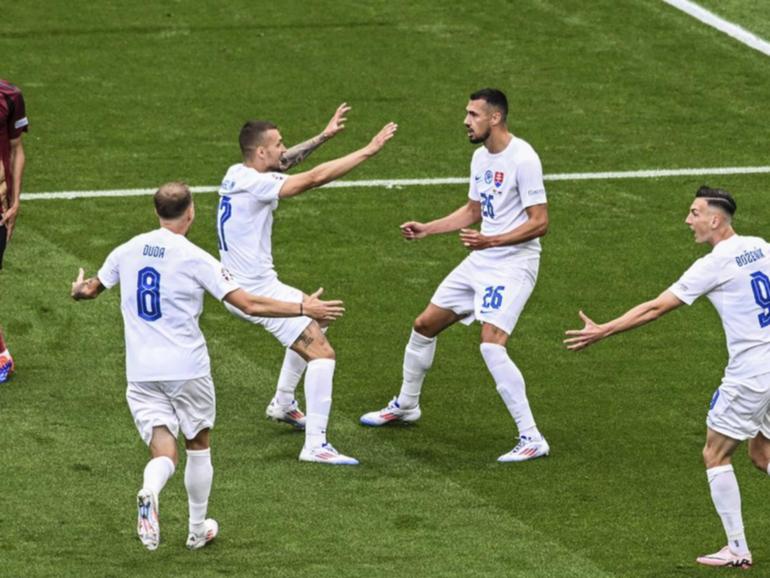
382,137
337,122
320,310
582,338
77,284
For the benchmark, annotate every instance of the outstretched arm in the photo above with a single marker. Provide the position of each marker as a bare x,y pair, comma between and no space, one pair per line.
535,226
465,216
639,315
312,306
328,171
300,152
86,288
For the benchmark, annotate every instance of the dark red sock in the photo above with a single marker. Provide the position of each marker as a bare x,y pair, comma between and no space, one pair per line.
2,341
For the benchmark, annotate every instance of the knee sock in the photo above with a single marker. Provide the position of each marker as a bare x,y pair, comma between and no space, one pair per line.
418,357
510,386
727,501
198,476
291,372
156,473
318,399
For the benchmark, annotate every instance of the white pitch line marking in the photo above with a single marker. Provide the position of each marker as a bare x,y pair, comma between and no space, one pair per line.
391,183
731,29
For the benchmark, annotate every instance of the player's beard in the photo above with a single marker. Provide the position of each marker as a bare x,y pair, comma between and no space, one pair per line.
479,139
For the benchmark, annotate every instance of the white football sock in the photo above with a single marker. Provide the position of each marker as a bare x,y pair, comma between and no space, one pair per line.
157,472
291,372
318,398
198,476
727,500
418,358
510,386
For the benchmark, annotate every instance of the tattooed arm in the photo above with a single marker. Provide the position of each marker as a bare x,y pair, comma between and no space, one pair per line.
300,152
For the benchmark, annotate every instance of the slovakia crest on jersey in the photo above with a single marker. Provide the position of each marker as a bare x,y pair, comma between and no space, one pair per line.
499,176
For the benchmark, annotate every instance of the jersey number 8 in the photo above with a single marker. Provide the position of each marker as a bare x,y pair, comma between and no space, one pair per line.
148,294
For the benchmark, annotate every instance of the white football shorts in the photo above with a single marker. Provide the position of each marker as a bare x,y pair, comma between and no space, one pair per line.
189,405
284,329
740,410
494,295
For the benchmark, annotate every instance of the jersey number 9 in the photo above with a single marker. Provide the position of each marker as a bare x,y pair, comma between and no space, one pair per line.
760,285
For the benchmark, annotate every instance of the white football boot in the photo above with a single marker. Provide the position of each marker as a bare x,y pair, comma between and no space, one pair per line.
393,412
290,414
527,449
326,454
197,541
726,558
147,523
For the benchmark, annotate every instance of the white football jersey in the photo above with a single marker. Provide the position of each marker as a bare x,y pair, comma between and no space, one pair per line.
247,199
735,277
162,277
506,184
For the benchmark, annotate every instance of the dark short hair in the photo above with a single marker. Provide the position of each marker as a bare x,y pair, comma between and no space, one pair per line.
494,98
172,200
252,134
717,198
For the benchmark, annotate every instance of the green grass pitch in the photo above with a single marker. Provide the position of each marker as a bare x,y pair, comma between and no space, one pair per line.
123,95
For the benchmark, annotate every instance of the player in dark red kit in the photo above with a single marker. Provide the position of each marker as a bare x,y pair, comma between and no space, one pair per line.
13,122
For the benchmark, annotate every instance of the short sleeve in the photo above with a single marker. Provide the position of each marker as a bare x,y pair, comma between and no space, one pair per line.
213,276
473,190
699,279
18,122
529,181
109,274
266,186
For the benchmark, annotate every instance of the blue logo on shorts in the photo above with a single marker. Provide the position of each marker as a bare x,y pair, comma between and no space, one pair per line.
714,399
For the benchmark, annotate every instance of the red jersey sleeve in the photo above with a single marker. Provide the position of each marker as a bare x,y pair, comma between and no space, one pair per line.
16,111
18,122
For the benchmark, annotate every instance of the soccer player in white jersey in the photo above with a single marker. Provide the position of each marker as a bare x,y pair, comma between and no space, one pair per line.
283,407
250,192
163,277
493,283
735,277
